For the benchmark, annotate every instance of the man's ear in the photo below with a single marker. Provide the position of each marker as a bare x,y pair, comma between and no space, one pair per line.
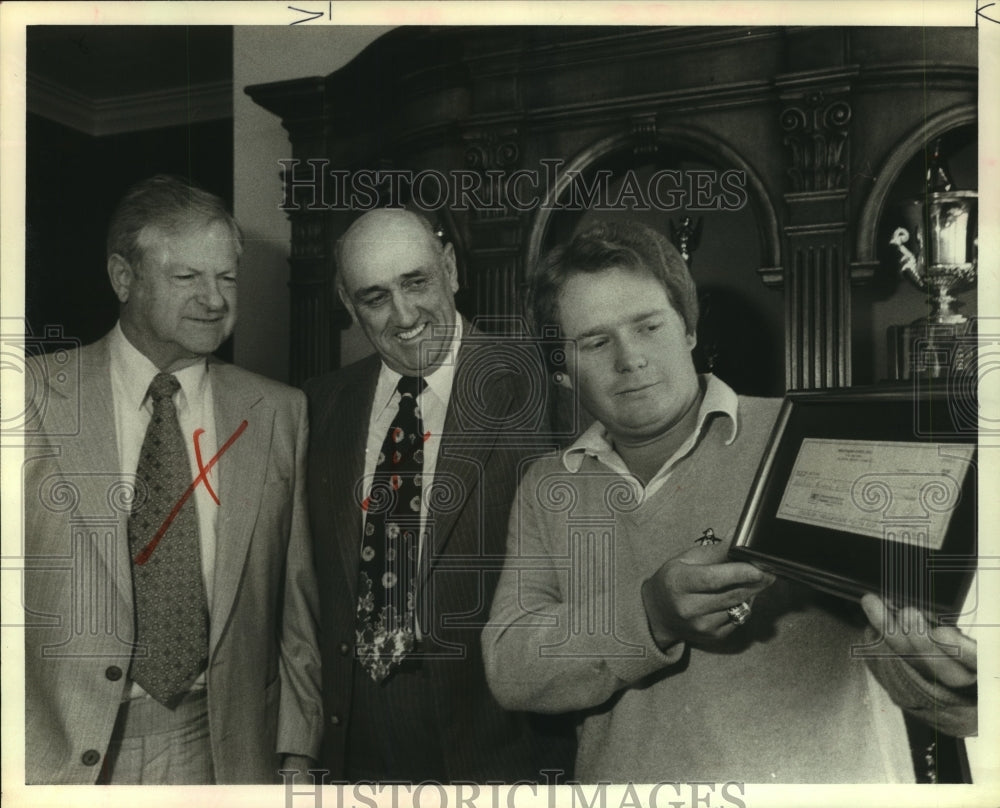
122,275
692,340
348,303
450,267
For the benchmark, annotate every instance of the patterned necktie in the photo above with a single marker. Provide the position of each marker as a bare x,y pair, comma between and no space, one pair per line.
385,630
171,610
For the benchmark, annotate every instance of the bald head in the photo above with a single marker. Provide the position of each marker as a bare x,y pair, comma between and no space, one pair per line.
379,226
398,282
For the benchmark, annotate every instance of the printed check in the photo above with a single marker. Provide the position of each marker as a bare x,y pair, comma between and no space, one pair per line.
884,489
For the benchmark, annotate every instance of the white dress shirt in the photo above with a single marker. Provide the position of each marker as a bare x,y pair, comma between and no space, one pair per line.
131,374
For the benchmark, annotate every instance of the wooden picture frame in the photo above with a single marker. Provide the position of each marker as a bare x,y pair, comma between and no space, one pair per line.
868,490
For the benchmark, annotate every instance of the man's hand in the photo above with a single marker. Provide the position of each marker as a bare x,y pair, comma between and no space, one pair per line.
687,598
941,654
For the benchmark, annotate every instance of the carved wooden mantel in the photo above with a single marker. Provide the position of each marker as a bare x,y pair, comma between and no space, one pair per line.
804,113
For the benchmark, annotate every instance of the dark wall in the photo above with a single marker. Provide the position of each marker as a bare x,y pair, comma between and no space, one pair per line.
73,182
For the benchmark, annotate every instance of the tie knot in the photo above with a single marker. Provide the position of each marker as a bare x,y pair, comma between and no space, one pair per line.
411,386
163,386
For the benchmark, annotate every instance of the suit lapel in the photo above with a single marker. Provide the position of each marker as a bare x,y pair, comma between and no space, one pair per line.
341,437
460,459
346,427
95,449
242,469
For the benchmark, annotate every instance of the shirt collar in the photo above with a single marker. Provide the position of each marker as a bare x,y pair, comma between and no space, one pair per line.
133,372
719,398
438,382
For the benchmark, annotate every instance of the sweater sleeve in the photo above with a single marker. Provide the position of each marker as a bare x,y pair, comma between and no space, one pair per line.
953,712
567,627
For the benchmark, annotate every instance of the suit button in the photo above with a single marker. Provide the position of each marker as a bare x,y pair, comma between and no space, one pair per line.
344,649
90,758
114,673
335,720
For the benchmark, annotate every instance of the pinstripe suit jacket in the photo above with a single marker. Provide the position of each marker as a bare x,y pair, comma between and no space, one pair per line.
263,669
490,435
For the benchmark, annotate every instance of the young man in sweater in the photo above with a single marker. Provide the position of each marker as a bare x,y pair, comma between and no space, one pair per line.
617,601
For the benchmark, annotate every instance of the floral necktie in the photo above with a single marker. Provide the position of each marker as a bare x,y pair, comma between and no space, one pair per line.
386,624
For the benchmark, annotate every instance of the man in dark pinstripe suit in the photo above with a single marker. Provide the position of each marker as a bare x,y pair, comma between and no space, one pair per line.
420,709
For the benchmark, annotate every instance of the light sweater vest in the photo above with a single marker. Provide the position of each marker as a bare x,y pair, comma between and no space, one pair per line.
782,699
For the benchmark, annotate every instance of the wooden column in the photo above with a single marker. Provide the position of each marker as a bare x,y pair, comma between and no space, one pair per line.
815,119
316,318
496,231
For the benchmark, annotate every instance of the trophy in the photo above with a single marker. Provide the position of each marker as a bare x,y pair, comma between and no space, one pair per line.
937,245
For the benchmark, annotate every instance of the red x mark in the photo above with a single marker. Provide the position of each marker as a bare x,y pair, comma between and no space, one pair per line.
202,477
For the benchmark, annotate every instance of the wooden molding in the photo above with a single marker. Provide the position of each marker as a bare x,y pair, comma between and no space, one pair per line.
709,146
97,117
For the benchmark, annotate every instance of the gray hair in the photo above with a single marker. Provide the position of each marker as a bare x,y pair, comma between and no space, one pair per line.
168,204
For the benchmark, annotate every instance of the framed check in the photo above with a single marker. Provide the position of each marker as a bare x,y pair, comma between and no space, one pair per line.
868,490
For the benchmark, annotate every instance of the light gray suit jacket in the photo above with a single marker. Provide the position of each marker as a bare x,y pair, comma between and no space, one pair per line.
263,669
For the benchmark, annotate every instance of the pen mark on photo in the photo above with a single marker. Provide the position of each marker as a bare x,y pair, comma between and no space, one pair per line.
202,477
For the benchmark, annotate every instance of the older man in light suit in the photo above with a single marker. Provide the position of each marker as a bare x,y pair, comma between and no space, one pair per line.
169,594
